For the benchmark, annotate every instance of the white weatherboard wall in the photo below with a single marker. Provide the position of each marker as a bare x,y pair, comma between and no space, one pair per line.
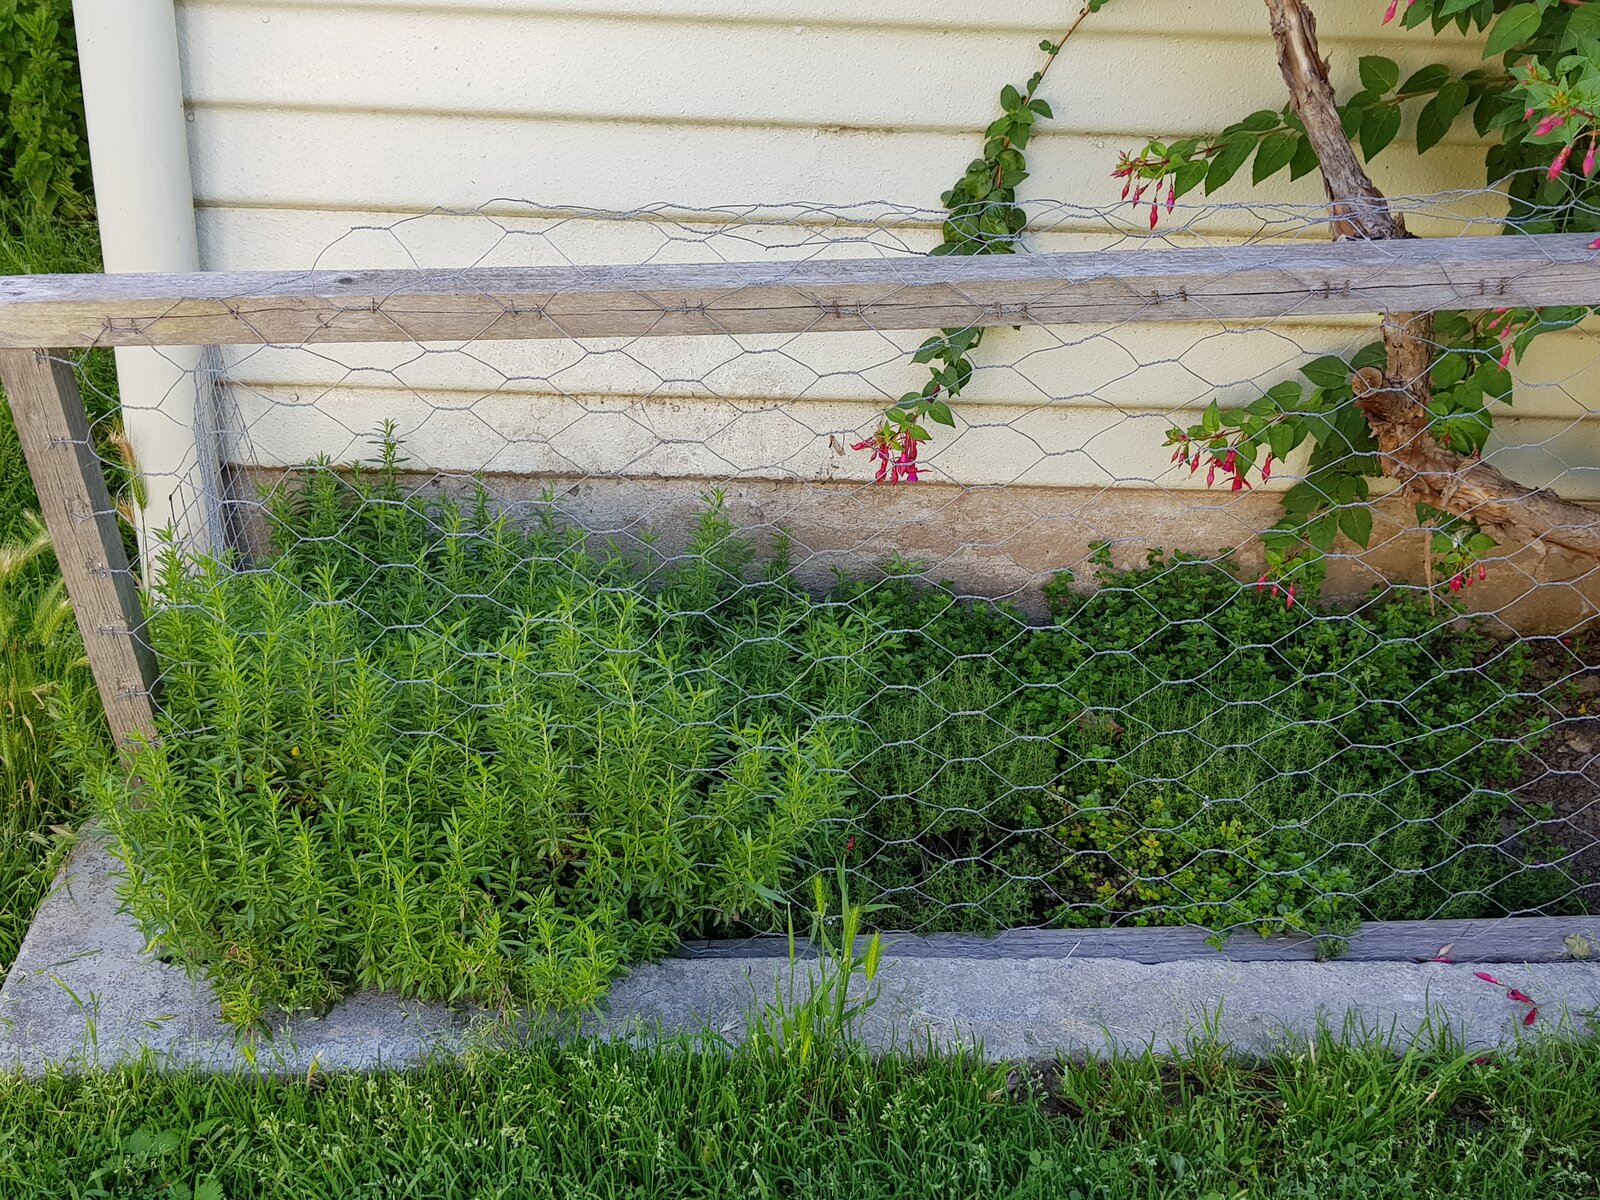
311,118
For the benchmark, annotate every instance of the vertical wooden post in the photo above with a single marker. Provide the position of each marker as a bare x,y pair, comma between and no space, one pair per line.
54,431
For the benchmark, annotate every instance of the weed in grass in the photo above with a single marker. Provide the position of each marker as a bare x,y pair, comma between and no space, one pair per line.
818,1012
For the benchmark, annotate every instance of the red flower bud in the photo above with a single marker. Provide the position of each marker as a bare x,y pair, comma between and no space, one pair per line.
1560,162
1588,160
1172,188
1388,13
1155,213
1553,121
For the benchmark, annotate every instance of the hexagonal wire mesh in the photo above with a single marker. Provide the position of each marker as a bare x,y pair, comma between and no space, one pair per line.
455,631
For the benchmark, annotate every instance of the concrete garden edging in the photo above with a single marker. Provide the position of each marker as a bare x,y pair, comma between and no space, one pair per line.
82,991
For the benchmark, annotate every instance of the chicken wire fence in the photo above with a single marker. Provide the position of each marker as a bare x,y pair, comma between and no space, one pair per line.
657,625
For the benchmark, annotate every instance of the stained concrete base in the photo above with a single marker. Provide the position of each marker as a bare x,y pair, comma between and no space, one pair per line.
83,991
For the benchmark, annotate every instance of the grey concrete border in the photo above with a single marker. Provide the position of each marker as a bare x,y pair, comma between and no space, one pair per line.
83,991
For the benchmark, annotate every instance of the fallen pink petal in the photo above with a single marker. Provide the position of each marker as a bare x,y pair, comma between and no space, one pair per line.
1488,978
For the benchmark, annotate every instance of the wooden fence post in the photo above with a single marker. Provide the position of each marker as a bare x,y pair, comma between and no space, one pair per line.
54,431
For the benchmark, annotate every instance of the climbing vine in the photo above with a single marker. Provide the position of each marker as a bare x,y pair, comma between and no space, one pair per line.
1537,97
983,217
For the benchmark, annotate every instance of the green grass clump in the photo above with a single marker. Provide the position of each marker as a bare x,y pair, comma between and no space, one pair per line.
45,692
1172,747
424,749
1337,1121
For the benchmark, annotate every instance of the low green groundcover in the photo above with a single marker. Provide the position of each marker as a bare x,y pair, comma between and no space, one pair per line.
1340,1123
422,747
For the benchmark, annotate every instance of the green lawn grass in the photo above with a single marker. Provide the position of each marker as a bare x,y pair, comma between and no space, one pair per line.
1336,1120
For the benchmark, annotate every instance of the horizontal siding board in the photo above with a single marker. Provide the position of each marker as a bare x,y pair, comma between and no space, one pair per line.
545,67
1033,19
520,430
418,162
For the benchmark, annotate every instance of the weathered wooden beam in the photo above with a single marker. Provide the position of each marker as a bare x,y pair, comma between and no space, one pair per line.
54,431
1256,282
1490,940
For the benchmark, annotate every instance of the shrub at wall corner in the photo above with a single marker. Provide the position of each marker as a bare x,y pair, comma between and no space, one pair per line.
44,148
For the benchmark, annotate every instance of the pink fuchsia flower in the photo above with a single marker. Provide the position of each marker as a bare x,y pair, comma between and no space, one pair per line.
1519,996
1388,13
1588,160
1290,602
1266,469
1553,121
905,466
1155,213
881,448
1560,162
1172,188
1488,978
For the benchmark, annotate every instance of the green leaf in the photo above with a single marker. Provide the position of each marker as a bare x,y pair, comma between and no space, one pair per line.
1356,523
1439,114
1329,371
1040,107
1010,98
1235,150
939,411
1321,532
1282,438
1428,79
1189,175
1273,155
1378,129
1515,26
1305,159
1260,121
1378,74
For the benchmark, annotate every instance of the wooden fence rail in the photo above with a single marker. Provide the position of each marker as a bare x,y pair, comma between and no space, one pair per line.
1260,282
42,316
